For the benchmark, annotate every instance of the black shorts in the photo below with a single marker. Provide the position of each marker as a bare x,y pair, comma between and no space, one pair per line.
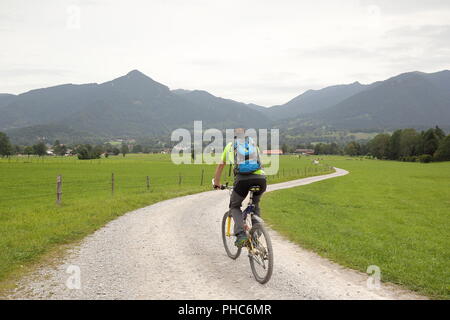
242,184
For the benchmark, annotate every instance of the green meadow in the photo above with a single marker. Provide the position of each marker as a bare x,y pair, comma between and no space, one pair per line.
390,214
32,224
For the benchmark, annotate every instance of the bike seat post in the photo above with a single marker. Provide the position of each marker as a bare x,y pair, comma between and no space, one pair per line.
252,190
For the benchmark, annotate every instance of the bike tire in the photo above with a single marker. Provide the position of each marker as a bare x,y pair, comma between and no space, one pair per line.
228,241
263,278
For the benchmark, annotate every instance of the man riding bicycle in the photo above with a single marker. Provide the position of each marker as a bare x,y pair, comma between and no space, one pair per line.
244,155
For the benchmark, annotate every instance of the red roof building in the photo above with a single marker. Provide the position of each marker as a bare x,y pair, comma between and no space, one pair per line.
273,152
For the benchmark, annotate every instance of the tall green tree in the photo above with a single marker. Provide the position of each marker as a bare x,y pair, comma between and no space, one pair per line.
28,150
115,151
394,145
409,143
318,148
6,148
59,149
352,148
124,150
98,150
333,148
40,149
443,151
379,146
322,148
439,133
430,142
108,147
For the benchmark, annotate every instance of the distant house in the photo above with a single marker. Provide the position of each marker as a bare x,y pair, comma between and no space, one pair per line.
273,152
305,151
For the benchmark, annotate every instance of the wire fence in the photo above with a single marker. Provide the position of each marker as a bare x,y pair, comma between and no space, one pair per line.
115,184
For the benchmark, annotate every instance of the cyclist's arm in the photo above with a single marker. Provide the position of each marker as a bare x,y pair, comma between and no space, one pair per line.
221,165
218,174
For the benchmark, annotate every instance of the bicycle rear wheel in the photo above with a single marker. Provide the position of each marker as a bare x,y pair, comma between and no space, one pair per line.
261,259
228,237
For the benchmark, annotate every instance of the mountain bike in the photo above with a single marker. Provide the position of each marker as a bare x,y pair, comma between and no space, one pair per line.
259,245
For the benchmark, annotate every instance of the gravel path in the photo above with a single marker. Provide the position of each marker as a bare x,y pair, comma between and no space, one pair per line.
173,250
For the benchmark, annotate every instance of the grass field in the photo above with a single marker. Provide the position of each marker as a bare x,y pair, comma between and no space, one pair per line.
390,214
31,223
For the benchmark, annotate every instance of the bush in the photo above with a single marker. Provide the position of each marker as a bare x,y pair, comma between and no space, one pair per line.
409,159
425,158
87,152
443,152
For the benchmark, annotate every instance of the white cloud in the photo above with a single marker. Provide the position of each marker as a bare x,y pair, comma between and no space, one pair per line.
262,51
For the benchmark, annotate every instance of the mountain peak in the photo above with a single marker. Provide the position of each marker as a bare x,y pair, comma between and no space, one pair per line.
135,72
137,83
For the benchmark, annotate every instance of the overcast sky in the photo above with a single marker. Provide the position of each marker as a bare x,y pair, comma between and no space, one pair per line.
255,51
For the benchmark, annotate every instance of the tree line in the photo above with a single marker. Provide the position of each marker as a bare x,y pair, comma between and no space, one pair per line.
83,151
87,151
7,149
403,145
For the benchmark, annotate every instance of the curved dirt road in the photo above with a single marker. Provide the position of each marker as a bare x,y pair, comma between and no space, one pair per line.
173,250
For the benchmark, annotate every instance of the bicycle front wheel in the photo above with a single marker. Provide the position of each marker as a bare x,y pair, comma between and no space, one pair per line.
228,236
261,256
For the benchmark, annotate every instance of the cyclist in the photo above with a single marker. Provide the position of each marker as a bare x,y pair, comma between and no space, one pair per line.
243,179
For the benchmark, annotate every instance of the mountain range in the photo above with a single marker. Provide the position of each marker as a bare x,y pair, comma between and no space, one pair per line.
135,105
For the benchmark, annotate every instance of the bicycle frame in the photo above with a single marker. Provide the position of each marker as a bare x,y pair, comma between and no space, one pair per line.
250,210
258,253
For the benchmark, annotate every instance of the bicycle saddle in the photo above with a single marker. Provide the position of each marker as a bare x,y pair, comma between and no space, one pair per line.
255,188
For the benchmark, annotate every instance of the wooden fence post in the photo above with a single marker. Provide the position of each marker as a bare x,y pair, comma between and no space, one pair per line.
148,183
58,189
112,183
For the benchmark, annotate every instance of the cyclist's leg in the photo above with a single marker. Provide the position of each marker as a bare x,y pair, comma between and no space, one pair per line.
261,181
240,191
235,209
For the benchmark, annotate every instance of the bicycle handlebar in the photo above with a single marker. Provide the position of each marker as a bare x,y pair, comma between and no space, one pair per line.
222,186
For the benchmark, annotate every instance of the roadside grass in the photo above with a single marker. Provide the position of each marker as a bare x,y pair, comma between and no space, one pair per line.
32,225
390,214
